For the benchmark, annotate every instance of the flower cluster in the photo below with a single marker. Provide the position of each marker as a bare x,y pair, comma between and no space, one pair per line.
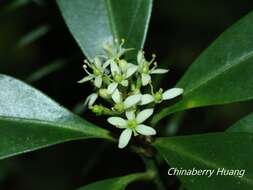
120,84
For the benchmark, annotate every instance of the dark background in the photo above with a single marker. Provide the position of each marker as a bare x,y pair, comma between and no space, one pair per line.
179,31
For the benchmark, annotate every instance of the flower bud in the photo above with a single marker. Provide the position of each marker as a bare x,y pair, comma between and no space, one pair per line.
97,109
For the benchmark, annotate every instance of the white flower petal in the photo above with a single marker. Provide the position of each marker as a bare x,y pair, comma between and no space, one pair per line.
130,115
132,100
85,79
172,93
98,81
145,130
90,100
123,65
140,57
107,63
146,99
124,83
111,88
159,71
116,96
145,78
98,63
124,138
117,121
131,70
144,115
114,68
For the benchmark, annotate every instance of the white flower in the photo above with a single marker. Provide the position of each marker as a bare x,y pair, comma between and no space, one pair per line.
160,96
133,124
98,71
129,102
144,69
90,100
120,75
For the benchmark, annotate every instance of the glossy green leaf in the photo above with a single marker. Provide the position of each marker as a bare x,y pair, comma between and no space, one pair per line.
211,151
94,23
29,120
243,125
118,183
222,74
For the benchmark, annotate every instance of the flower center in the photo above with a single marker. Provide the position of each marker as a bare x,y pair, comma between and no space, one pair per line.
118,78
132,124
145,69
158,95
96,71
119,107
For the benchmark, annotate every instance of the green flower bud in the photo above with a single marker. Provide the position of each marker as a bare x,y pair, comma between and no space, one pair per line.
97,109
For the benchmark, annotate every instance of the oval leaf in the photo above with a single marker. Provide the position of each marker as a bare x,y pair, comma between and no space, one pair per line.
211,152
118,183
94,23
222,74
30,120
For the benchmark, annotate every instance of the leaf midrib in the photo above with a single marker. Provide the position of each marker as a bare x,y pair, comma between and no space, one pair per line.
113,24
190,155
134,16
54,125
111,19
222,70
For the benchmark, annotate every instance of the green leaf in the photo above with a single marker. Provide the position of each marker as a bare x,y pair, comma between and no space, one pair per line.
222,74
118,183
243,125
94,23
211,151
29,120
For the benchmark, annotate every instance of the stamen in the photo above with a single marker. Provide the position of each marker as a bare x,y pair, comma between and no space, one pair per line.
153,59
